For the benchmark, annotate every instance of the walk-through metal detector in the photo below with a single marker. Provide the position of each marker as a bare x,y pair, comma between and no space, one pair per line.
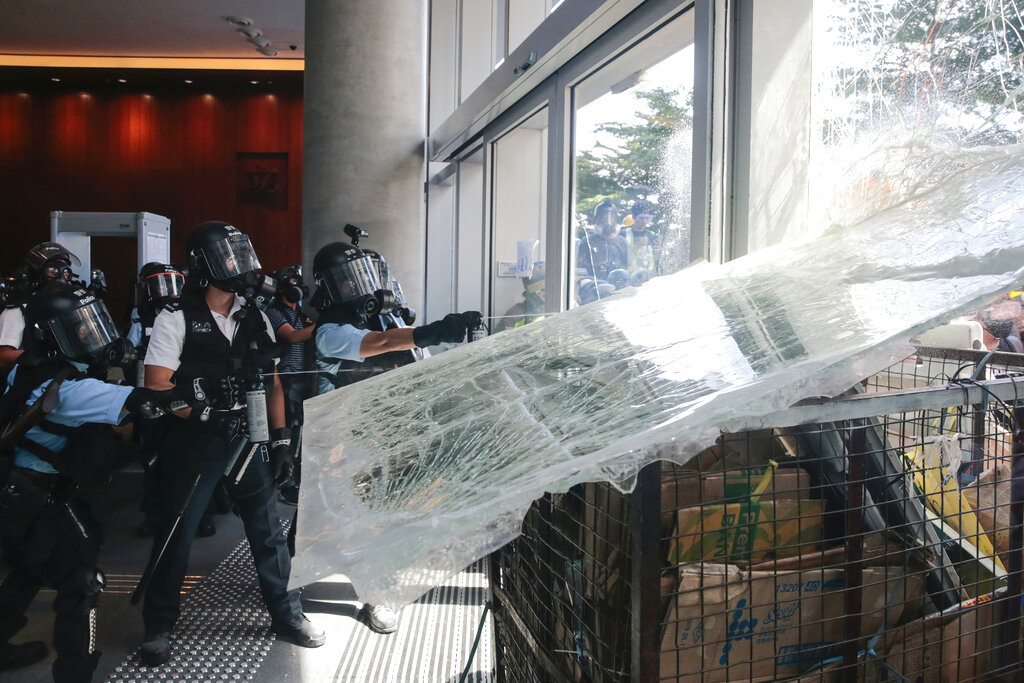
75,229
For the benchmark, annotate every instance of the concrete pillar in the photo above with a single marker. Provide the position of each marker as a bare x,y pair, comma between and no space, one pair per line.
364,129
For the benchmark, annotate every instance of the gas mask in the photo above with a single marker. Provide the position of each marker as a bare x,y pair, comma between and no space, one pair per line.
51,261
159,286
87,334
98,282
290,286
352,280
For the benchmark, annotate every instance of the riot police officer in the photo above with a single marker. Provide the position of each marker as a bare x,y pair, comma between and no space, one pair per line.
294,331
352,293
602,249
348,281
643,242
158,285
217,336
49,534
44,262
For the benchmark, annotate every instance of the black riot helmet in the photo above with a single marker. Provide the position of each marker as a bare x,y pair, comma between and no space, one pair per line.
65,320
606,217
290,285
159,284
97,282
350,277
50,261
222,254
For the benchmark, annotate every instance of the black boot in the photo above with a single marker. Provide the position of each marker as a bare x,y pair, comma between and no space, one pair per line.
75,669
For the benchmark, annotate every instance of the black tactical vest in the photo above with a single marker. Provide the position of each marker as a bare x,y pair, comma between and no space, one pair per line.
207,353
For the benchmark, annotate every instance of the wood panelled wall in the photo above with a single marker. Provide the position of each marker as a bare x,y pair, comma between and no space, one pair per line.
176,154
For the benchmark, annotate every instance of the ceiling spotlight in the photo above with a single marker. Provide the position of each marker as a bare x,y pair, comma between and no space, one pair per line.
259,41
55,79
250,32
239,21
189,81
268,51
255,82
122,80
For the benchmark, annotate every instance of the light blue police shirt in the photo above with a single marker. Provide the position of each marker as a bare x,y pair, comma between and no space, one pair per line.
80,401
135,331
336,341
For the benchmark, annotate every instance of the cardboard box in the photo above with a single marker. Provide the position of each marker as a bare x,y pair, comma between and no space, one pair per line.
950,647
746,531
740,516
734,485
727,624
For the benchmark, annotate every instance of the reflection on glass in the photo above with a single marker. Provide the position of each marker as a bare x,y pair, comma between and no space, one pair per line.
632,141
519,232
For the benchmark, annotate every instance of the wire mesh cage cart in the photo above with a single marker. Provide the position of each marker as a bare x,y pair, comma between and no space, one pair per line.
871,537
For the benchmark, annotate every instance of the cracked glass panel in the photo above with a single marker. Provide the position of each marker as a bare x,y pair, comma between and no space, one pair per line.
914,214
412,475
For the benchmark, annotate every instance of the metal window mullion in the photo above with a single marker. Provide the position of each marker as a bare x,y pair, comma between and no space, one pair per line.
559,199
714,126
488,225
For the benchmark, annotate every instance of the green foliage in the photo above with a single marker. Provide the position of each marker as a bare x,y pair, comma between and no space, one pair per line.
632,165
935,62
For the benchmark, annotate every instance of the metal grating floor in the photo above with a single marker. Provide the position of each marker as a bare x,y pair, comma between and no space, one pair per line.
224,634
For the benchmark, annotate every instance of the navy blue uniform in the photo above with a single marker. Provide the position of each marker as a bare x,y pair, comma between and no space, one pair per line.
201,341
51,536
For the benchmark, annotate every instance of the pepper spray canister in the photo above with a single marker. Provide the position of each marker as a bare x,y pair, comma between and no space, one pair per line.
476,329
256,414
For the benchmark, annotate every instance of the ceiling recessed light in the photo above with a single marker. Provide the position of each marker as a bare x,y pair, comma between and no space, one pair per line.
122,80
255,82
55,79
239,21
189,81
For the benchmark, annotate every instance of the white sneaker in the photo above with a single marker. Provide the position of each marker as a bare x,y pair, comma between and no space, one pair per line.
382,619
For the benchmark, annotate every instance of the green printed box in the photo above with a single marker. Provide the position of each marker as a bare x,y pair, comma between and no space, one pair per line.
746,531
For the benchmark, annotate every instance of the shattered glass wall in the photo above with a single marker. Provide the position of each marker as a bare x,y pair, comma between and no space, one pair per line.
412,475
895,79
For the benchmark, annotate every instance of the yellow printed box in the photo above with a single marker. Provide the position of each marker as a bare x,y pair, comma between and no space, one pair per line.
746,531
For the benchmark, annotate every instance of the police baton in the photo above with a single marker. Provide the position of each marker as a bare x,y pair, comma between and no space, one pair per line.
236,446
154,560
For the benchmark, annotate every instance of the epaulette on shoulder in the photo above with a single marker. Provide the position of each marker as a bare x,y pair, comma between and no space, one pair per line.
173,306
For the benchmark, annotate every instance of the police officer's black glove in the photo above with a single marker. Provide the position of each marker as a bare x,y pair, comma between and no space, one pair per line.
150,403
451,328
281,464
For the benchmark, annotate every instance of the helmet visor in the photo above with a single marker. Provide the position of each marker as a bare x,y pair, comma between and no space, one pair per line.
383,274
83,330
351,280
38,255
231,257
167,285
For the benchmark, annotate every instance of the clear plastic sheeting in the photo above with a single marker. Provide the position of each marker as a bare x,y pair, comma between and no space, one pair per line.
412,475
